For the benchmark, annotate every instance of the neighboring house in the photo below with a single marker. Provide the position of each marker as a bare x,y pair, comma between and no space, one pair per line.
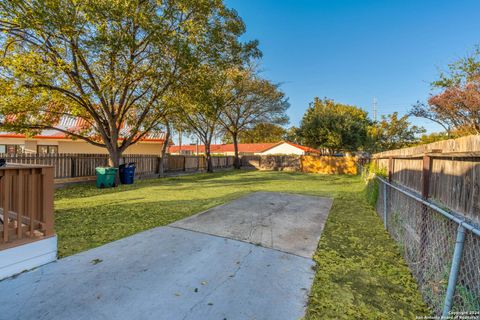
52,142
186,150
282,147
290,148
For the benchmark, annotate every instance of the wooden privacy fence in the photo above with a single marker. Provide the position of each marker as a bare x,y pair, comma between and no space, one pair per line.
80,167
307,164
67,166
446,172
329,165
26,204
430,205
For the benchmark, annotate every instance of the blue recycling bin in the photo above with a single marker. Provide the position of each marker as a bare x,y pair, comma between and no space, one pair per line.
127,173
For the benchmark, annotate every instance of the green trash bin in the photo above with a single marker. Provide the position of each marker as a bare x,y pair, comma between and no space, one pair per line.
106,177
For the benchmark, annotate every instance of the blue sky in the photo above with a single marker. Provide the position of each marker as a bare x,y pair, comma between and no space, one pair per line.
352,51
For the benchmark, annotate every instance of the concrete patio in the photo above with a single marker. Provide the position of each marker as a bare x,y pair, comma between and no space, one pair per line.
249,259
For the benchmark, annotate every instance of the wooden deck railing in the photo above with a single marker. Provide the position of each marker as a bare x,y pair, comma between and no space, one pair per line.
26,204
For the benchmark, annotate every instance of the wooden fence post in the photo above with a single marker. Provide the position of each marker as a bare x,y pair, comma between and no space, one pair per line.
157,169
72,167
427,168
31,189
391,168
423,223
47,200
6,188
20,194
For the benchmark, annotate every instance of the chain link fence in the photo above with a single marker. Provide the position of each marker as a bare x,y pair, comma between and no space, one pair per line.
428,240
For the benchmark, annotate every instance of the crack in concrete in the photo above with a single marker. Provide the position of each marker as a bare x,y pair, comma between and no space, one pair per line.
32,294
229,277
239,240
284,222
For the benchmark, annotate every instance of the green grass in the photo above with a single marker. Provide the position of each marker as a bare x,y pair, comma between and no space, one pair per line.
359,275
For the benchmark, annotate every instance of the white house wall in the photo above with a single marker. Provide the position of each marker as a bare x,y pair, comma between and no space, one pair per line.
80,146
77,146
283,148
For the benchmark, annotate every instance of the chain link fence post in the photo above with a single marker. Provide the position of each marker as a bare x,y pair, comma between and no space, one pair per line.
385,204
452,279
441,248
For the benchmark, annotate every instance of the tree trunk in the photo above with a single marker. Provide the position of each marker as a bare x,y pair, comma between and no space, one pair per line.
208,158
161,170
236,162
114,161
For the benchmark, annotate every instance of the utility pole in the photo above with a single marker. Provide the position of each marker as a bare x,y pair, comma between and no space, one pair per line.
374,109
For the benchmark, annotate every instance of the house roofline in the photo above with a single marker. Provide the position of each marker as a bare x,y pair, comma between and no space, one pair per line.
22,136
303,148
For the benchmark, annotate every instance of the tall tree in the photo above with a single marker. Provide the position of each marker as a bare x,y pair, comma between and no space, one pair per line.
201,101
422,110
109,63
259,133
457,106
293,135
393,132
165,145
251,101
334,126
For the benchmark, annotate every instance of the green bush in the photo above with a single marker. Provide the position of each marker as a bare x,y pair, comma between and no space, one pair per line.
371,171
371,191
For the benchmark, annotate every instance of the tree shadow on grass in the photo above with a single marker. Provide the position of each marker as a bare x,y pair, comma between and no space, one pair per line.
223,177
79,229
89,189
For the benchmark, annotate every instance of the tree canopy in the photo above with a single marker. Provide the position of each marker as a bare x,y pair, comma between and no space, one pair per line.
200,103
334,126
108,63
259,133
456,107
432,137
392,132
251,101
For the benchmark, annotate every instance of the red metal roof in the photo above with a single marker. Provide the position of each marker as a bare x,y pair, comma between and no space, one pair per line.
73,125
176,149
242,147
221,148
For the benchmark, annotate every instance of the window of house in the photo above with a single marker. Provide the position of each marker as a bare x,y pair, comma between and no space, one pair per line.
47,149
11,148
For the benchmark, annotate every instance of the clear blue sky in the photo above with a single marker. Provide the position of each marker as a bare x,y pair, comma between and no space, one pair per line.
352,51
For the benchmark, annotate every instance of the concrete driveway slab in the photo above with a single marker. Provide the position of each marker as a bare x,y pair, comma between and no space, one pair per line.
286,222
173,273
164,273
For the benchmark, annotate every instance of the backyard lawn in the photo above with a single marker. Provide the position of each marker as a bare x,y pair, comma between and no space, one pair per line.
359,274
